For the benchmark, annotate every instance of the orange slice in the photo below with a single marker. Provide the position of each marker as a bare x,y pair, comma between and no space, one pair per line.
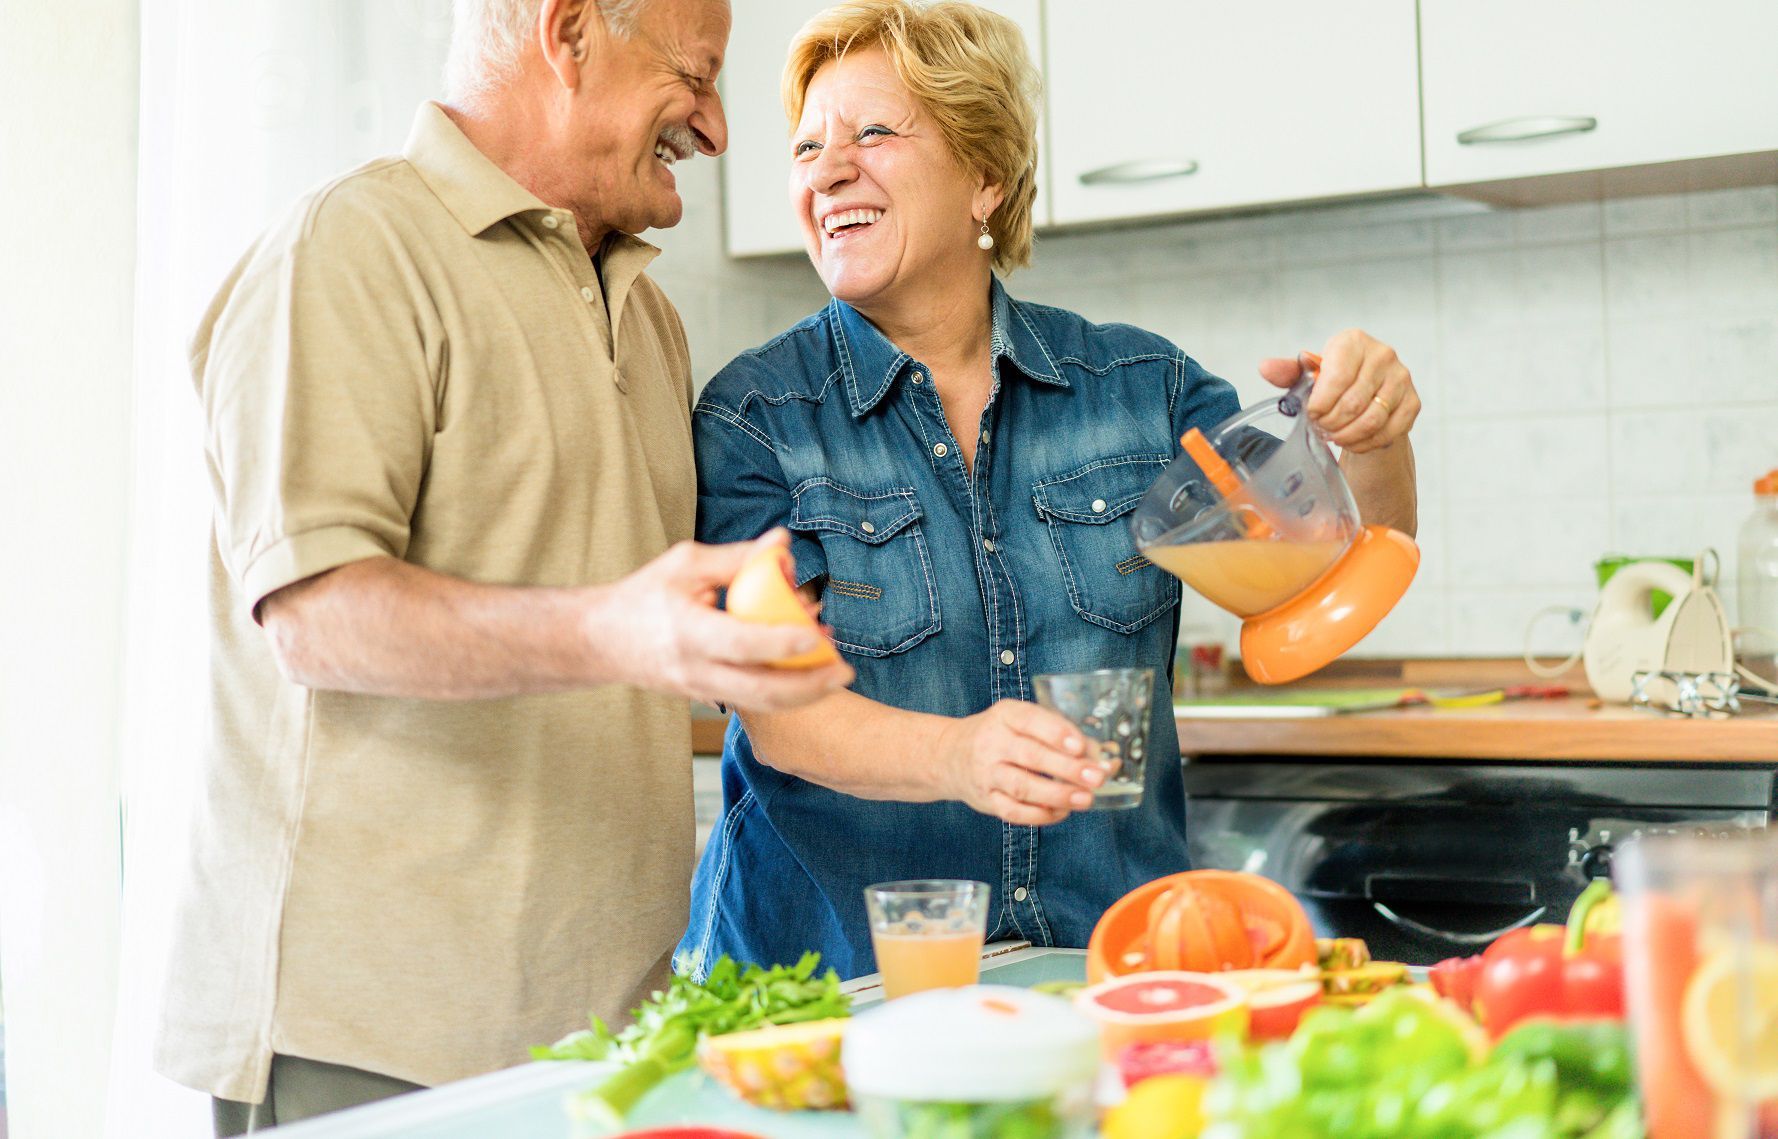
1730,1021
764,593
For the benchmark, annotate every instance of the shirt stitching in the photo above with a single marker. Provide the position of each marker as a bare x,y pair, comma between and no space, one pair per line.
1121,361
731,823
1043,345
1034,896
734,420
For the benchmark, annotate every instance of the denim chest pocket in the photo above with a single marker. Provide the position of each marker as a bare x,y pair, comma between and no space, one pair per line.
1087,511
881,597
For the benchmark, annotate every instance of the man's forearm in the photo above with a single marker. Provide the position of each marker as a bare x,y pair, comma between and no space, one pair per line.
388,628
1382,482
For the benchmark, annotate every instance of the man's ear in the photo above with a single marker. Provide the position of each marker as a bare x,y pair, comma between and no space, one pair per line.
565,32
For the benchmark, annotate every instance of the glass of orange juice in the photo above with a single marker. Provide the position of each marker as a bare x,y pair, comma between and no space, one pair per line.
927,933
1701,981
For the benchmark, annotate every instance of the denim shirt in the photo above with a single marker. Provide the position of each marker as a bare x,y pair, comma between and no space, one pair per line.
947,589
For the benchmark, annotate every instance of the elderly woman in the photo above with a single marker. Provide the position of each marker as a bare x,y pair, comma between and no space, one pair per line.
956,467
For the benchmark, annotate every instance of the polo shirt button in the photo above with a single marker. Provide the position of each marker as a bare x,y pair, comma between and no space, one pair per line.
1098,505
1006,656
940,450
988,544
867,527
1020,894
551,221
586,294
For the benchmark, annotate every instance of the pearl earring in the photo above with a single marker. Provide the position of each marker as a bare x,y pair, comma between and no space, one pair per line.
986,240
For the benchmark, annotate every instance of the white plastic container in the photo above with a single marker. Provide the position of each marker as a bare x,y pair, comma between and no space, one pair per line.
1757,583
983,1062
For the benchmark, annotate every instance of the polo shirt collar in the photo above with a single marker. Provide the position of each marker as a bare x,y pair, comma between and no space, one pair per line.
477,192
870,362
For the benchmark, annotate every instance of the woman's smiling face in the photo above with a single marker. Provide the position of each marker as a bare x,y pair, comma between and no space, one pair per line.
882,202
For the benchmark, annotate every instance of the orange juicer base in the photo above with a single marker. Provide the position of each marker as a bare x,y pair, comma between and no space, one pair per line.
1345,603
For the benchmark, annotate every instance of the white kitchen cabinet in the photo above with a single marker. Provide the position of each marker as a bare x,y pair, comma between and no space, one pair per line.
1523,88
756,170
1174,106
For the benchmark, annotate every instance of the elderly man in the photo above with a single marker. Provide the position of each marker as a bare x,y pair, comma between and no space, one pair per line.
447,807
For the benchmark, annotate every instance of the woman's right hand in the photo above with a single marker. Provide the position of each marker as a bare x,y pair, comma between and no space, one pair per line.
1020,763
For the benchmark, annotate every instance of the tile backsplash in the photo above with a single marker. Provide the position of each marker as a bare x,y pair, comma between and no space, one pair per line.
1597,378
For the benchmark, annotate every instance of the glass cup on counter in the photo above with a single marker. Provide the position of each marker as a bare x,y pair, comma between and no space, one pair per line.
1701,980
1111,708
927,933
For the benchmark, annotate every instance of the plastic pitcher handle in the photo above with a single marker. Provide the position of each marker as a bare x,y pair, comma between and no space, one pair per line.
1293,402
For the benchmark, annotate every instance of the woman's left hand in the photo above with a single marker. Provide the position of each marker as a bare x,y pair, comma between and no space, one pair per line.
1363,398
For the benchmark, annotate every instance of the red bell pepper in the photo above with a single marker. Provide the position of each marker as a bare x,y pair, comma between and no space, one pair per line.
1551,970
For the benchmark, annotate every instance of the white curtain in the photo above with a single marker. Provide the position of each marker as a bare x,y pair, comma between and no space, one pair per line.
246,104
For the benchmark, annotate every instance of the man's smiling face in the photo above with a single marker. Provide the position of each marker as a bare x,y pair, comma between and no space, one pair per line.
646,102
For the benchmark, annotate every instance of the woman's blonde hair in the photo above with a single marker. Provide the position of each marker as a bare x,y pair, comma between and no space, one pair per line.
969,69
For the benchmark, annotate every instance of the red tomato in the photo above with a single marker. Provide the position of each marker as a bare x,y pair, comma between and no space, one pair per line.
1455,979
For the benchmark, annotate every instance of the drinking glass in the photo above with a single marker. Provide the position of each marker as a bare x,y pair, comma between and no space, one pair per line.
1701,980
1110,707
927,933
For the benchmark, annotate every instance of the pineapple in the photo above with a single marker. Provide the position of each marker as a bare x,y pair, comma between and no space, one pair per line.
1338,954
1359,986
787,1067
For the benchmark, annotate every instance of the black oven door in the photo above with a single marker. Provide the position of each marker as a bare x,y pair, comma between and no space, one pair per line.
1425,861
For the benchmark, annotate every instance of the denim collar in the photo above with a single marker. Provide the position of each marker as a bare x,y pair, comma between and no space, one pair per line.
870,362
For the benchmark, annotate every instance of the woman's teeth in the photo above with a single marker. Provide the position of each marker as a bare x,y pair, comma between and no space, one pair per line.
833,223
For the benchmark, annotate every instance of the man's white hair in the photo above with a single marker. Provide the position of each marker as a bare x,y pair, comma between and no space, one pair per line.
487,37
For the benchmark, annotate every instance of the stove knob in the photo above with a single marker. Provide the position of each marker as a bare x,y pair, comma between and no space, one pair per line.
1596,861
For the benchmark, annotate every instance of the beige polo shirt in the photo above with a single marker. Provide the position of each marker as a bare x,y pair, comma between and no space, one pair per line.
421,362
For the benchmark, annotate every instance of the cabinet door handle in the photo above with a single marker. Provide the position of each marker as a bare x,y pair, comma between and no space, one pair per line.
1141,170
1527,128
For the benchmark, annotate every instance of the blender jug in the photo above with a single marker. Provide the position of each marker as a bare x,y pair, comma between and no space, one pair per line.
1256,516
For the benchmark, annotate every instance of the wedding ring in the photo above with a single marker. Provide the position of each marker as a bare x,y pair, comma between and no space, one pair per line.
1383,403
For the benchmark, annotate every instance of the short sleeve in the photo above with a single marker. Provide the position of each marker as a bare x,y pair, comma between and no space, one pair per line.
741,487
316,368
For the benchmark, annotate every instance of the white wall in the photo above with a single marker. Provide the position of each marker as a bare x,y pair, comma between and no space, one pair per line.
1597,378
67,192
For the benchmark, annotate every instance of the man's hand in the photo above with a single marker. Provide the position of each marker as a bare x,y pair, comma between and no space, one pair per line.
1020,763
659,628
1363,399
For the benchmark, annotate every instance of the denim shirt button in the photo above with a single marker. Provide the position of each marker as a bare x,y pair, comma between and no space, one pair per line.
1098,506
919,377
988,544
940,450
984,436
867,527
1006,656
1020,894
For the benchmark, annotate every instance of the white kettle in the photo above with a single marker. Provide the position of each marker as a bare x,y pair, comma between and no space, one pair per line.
1691,635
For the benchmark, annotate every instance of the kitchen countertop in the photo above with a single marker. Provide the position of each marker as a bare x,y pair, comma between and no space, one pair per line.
1577,727
532,1100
